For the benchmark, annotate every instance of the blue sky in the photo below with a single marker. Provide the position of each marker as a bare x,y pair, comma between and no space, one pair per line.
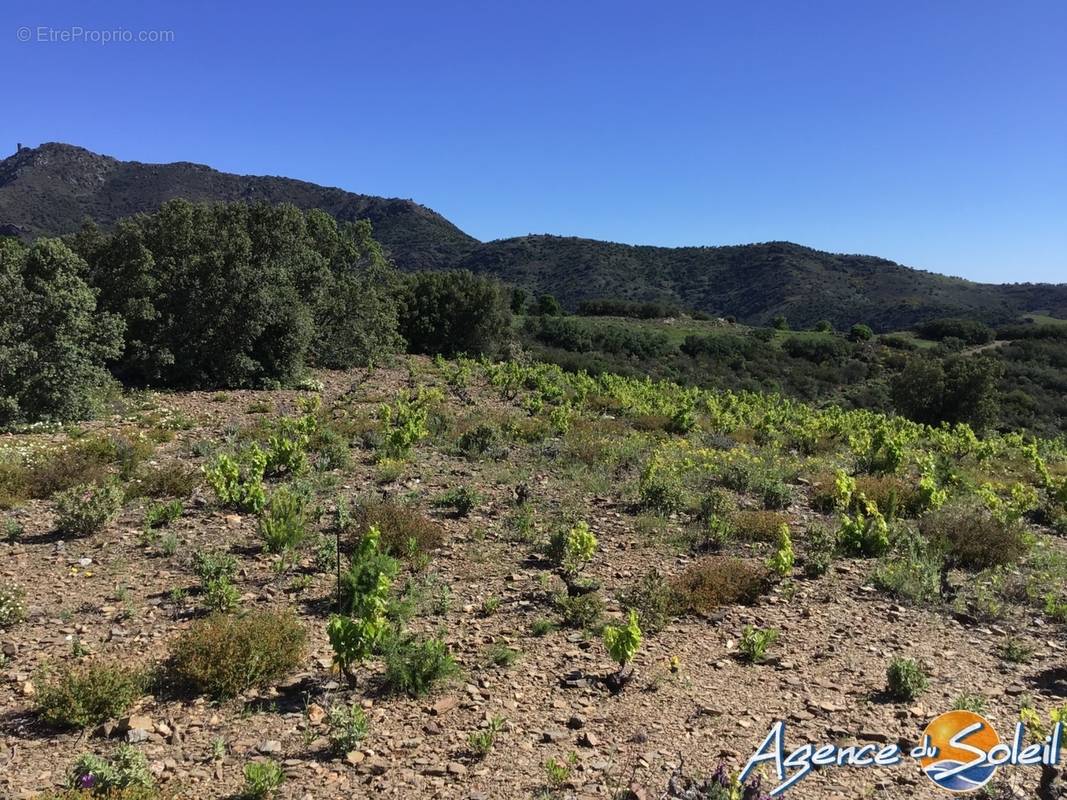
933,133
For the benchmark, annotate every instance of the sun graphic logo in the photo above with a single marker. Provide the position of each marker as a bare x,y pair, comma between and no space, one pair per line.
958,744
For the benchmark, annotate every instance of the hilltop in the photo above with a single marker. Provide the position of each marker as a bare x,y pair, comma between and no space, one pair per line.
52,189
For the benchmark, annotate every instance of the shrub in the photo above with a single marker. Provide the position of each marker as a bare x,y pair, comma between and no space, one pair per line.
580,611
413,666
760,526
755,642
159,515
622,641
12,606
238,482
972,536
775,494
53,339
905,679
570,550
87,509
454,312
346,727
716,503
895,497
283,523
912,571
87,693
480,441
651,599
262,779
715,581
462,499
860,333
480,743
126,769
225,655
168,480
866,533
404,531
820,551
362,578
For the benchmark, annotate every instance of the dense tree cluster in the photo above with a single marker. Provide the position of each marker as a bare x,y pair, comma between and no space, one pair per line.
627,308
969,331
218,295
53,340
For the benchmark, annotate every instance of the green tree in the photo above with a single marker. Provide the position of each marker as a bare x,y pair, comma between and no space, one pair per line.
824,326
53,341
548,306
454,312
860,332
780,323
959,389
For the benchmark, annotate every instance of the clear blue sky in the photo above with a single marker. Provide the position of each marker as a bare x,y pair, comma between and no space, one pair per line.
933,133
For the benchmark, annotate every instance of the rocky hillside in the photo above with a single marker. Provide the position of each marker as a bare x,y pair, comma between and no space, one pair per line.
53,188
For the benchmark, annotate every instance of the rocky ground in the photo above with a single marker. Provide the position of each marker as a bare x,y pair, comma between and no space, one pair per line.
691,705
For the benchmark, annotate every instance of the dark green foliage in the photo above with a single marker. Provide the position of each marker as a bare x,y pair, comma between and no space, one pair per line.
578,336
823,326
958,389
240,295
547,306
969,331
860,333
413,666
53,341
627,308
454,312
780,323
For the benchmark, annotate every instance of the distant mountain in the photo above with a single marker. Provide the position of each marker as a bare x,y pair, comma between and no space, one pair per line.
756,282
53,188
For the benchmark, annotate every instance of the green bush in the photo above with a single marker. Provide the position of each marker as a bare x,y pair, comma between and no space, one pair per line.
413,666
87,693
462,499
283,523
905,679
262,779
755,642
225,655
454,312
83,510
580,611
238,481
159,515
126,769
53,339
346,727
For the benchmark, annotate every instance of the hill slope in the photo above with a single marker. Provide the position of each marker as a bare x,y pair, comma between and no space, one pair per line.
51,189
755,282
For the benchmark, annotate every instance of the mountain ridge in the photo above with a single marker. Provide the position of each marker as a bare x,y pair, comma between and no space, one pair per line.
53,188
